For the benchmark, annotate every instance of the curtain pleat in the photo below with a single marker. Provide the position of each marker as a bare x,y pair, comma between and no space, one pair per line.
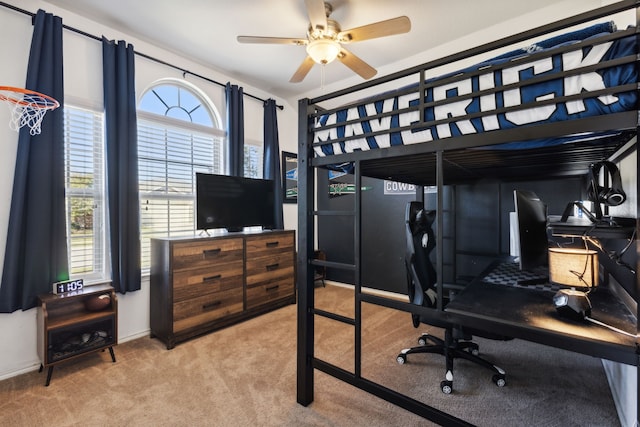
271,159
36,248
121,139
235,129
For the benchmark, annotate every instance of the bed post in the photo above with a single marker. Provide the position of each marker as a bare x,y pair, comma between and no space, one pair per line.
306,190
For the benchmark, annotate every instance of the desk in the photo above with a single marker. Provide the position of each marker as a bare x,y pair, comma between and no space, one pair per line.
530,314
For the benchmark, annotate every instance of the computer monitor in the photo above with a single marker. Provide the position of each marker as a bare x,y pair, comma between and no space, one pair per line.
531,214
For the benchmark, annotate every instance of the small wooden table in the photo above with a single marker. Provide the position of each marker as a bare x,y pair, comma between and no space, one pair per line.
67,329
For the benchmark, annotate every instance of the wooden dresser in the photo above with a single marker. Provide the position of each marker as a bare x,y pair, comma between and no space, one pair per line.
202,284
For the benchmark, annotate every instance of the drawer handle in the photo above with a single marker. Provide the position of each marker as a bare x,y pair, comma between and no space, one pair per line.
272,288
272,244
272,267
211,305
210,252
211,278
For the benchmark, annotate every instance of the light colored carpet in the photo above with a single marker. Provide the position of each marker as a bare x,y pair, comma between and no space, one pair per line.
246,375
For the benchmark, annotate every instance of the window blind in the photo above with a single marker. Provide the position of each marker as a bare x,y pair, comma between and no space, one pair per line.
84,196
169,156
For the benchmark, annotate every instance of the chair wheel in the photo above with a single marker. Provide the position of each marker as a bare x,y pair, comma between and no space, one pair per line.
446,387
422,341
401,359
475,351
499,380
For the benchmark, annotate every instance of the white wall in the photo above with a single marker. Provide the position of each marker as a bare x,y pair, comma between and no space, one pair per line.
83,84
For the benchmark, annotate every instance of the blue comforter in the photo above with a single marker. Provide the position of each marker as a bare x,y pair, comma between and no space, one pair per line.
522,102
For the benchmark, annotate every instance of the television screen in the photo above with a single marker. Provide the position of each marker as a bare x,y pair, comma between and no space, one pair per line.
234,202
531,213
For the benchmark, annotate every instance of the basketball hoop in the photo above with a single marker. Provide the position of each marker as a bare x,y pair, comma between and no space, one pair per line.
27,107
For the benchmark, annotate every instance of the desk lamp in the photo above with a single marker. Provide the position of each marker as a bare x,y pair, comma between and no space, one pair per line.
577,268
574,267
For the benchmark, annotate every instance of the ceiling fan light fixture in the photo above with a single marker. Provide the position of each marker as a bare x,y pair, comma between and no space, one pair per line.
323,51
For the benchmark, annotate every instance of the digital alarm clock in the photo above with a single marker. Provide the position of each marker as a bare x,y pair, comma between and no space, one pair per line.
68,286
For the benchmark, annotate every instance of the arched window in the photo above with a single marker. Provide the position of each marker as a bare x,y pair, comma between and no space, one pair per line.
179,134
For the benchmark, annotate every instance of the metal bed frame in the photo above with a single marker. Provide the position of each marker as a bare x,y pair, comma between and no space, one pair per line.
429,164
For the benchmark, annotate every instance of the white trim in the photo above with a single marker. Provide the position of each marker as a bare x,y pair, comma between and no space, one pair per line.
181,124
30,368
190,86
87,104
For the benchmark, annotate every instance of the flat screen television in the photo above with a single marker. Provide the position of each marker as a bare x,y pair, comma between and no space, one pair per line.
531,214
234,202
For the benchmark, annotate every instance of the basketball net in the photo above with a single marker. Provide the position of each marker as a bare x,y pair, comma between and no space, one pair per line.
27,107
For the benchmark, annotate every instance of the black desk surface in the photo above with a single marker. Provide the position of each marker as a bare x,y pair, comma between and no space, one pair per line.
530,314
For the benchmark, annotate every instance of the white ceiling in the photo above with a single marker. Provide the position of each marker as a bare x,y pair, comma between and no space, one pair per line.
205,31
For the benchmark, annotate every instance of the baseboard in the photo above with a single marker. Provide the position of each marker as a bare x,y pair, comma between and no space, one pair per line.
134,336
25,370
623,390
35,365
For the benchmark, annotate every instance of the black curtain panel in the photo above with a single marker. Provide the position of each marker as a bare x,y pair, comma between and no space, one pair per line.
235,129
271,159
122,164
36,249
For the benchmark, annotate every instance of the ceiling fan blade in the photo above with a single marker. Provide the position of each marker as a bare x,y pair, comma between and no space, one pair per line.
317,14
272,40
360,67
390,27
302,70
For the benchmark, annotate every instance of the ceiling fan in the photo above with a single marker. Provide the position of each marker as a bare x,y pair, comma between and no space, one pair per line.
325,39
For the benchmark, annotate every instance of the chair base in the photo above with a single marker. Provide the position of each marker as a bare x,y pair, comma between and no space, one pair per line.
452,348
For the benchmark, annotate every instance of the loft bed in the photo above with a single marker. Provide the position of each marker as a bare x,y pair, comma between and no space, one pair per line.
545,111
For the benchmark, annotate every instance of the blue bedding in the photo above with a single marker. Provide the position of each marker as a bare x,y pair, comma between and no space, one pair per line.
501,74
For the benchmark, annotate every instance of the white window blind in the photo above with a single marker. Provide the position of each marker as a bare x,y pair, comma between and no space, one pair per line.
84,199
253,152
169,156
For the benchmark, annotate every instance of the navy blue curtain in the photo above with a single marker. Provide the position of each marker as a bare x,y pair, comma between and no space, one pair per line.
271,159
36,249
122,164
235,129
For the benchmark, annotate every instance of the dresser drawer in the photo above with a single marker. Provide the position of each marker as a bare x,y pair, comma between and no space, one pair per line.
195,282
270,244
269,267
207,253
197,311
269,291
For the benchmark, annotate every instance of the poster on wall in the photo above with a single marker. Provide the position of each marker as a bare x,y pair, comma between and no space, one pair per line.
393,188
290,177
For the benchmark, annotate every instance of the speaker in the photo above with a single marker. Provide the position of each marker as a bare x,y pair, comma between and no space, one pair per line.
610,196
572,304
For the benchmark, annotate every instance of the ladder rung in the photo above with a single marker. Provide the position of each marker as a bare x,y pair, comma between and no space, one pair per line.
334,213
332,264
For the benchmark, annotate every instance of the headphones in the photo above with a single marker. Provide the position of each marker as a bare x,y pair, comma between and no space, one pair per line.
610,196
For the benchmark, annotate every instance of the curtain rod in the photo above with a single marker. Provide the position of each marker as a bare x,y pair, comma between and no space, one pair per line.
91,36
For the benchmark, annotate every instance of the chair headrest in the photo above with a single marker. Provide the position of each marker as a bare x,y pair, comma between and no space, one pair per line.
418,218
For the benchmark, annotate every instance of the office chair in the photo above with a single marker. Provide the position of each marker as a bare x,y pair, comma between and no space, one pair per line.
421,280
